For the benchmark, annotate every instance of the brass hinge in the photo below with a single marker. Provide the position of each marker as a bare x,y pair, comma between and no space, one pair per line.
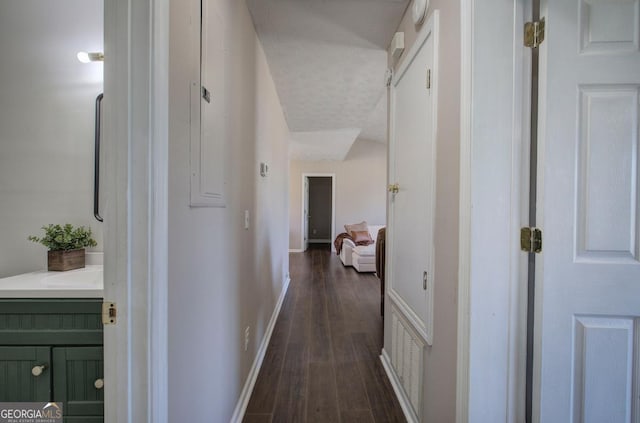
534,33
109,313
531,240
428,79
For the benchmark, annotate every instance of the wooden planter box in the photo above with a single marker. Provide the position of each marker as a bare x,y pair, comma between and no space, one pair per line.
65,260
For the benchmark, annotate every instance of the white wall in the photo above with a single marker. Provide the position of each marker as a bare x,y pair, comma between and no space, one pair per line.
223,278
360,187
46,123
439,398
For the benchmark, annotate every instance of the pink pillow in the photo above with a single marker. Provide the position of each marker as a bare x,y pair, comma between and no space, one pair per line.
361,237
362,226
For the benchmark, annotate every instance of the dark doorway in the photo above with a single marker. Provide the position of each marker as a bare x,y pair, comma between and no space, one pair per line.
320,200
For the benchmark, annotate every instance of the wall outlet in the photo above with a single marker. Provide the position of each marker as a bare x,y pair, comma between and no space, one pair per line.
315,231
247,331
246,219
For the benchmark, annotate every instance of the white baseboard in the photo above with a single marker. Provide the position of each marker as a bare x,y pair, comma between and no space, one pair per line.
247,390
397,388
296,250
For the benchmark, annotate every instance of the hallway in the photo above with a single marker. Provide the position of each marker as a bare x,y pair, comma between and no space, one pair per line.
322,364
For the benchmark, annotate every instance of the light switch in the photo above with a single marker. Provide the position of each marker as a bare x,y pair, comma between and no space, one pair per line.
246,219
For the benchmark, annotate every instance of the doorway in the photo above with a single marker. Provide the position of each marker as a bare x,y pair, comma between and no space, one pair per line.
320,213
318,208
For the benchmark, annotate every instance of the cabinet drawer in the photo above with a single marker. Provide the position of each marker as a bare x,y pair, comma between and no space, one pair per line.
17,382
51,322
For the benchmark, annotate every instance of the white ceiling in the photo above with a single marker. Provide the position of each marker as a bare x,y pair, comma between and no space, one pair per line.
328,59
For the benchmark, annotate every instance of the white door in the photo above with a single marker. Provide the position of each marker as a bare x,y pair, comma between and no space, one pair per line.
305,217
412,167
586,357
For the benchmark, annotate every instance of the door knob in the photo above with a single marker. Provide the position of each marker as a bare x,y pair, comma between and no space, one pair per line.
99,383
37,370
394,188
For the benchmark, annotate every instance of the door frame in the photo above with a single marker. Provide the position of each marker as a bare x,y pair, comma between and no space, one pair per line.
494,164
136,125
305,176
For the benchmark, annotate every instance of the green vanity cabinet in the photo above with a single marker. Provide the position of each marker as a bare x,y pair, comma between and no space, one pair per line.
51,350
17,382
78,382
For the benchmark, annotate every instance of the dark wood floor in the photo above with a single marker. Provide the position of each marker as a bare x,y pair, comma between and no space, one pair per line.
322,364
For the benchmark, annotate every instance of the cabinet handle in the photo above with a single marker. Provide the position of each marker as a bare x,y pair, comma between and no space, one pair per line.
37,370
99,383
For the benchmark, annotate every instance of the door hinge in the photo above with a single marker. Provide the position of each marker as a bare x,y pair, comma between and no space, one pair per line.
206,94
531,240
428,79
109,313
534,33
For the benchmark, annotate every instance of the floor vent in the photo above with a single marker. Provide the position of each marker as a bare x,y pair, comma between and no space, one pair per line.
407,356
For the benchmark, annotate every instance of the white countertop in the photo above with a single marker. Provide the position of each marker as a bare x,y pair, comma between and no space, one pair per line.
79,283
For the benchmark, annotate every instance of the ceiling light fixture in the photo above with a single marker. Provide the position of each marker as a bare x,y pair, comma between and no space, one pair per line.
85,57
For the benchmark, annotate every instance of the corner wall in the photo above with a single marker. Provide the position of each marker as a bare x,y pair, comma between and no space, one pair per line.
360,188
223,278
439,397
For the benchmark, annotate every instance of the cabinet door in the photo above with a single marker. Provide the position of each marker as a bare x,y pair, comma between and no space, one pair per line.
17,382
76,370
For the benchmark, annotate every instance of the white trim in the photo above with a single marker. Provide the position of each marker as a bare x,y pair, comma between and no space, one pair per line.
464,244
296,250
405,403
247,390
136,236
333,205
520,163
490,383
158,237
408,314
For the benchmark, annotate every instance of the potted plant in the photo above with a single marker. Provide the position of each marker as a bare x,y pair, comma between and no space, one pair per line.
66,245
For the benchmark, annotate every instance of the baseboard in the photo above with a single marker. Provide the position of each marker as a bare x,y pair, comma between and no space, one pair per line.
247,390
397,388
296,250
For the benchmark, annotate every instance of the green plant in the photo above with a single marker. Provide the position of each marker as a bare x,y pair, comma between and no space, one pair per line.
65,237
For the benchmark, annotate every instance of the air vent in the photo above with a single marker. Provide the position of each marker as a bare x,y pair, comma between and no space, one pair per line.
407,354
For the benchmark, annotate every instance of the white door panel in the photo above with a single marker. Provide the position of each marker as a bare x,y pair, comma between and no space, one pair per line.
588,275
412,167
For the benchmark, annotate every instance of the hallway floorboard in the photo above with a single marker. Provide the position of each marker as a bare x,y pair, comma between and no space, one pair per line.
323,364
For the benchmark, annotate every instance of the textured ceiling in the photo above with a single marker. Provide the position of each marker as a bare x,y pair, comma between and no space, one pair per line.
328,59
322,145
